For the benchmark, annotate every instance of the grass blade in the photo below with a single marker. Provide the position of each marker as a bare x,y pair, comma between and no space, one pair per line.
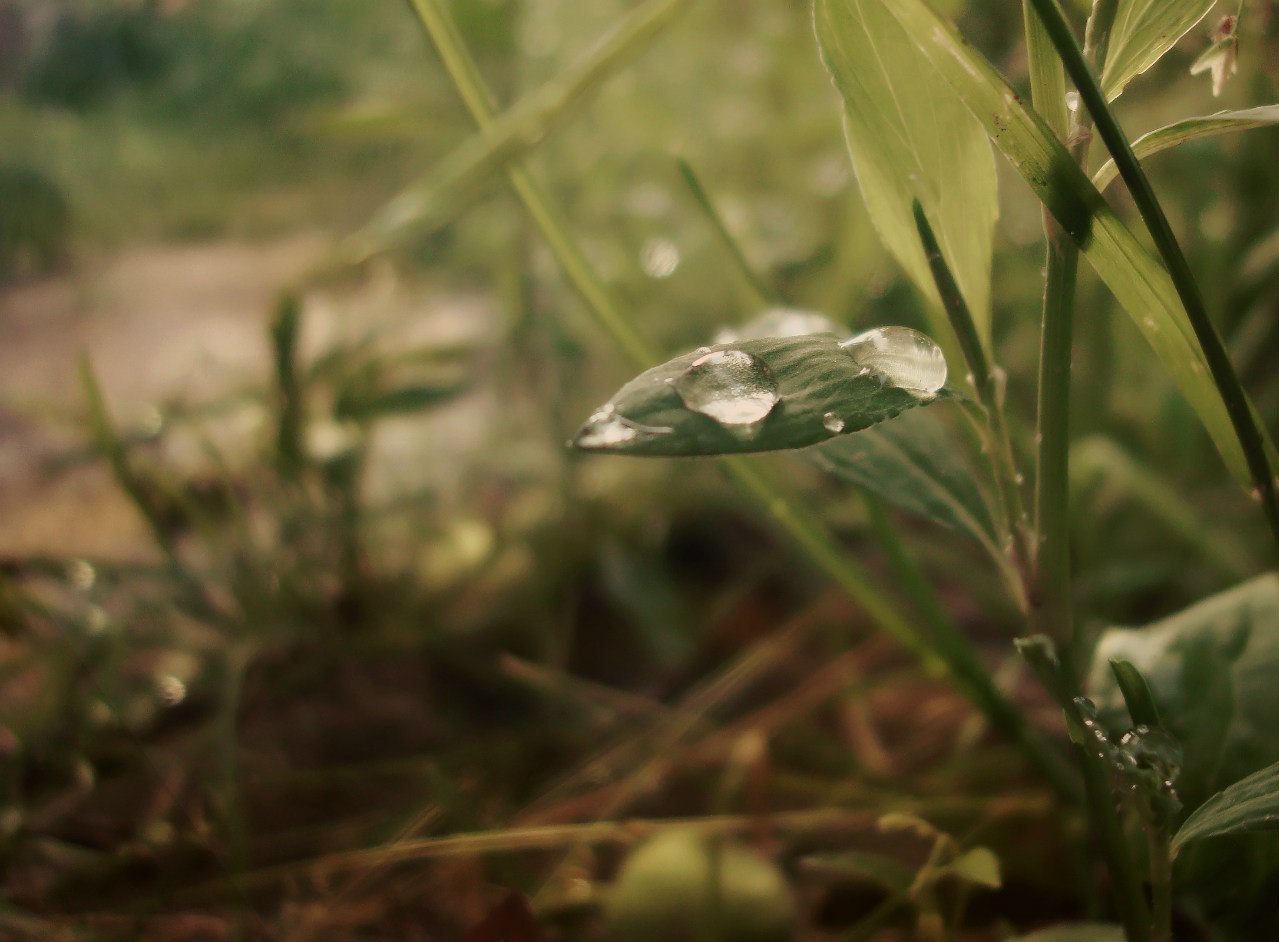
1190,129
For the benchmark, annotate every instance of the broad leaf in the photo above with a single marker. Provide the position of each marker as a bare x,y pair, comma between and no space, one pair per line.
910,138
911,464
1133,274
1248,805
1143,31
754,395
1211,670
1191,129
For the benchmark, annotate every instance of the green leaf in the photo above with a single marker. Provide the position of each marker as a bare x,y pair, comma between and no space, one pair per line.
1191,129
1211,671
911,464
887,872
1248,805
910,138
1137,696
1076,932
1143,31
1139,282
978,866
754,395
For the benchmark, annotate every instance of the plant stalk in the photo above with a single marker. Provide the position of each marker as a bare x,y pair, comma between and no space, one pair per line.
1130,899
1159,848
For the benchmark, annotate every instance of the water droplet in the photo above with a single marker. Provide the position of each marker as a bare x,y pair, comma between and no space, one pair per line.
732,387
833,423
607,429
906,358
81,574
172,690
659,258
1072,100
780,322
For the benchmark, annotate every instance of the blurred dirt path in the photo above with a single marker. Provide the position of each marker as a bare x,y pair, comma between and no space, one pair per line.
157,322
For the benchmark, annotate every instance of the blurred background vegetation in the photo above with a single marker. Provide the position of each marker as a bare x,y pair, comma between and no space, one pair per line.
296,573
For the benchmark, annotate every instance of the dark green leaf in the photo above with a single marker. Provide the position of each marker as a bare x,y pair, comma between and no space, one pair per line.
912,464
770,394
1211,671
1137,697
1248,805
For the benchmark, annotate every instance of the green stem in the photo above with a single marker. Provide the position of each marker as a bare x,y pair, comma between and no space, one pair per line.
986,383
953,652
762,291
1061,683
1251,438
1159,845
1051,608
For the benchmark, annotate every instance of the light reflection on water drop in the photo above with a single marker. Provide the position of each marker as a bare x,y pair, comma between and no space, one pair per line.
905,358
659,258
730,386
607,429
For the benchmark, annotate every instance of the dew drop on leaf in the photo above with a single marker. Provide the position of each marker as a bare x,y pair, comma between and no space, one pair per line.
607,430
905,358
732,387
833,423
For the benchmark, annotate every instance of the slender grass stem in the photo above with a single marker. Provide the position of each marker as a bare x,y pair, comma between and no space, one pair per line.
1242,418
762,291
1159,844
1051,608
954,652
1130,900
986,383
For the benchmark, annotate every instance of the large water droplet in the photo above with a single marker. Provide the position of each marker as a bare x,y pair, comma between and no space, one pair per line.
732,387
606,429
833,423
905,358
780,322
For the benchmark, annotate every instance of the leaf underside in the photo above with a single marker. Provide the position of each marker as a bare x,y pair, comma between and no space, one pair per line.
1142,32
910,138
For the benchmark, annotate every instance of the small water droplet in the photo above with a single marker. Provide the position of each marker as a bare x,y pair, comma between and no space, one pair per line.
732,387
833,423
659,258
1072,100
780,322
905,358
607,429
172,690
81,574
